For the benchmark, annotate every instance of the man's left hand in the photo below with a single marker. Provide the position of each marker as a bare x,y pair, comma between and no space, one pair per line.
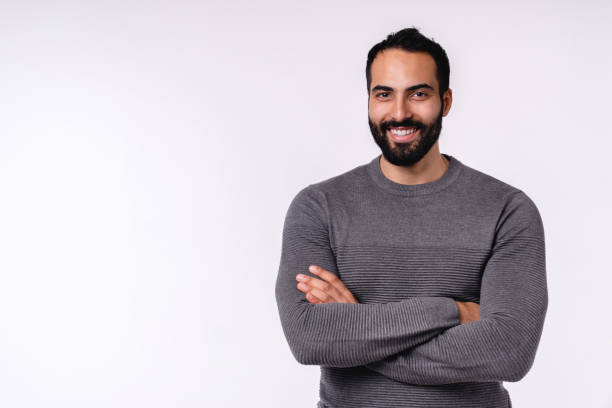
328,289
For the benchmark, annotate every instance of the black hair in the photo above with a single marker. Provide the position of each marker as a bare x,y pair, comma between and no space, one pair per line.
410,39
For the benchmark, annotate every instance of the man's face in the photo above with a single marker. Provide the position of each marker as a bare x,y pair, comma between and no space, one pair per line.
404,106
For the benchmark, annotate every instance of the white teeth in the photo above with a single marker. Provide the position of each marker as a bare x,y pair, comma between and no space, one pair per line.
402,132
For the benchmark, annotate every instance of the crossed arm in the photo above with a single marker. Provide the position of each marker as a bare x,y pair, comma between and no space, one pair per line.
420,340
501,346
344,334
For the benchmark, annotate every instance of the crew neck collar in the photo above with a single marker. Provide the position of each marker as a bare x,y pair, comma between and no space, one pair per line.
375,172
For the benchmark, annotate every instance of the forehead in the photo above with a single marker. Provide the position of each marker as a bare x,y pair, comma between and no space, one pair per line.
398,68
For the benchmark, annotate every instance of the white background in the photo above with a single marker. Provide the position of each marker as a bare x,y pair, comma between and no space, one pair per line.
149,152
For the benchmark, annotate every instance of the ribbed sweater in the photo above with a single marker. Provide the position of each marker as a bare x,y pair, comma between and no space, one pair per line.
407,253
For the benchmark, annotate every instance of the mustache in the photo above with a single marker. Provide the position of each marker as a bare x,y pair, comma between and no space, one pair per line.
384,126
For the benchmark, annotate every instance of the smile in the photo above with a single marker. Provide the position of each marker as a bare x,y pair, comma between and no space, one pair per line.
402,134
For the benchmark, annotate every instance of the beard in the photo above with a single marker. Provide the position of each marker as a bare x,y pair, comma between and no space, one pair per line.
406,154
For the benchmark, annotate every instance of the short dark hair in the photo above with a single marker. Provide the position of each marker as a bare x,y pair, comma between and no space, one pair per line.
410,39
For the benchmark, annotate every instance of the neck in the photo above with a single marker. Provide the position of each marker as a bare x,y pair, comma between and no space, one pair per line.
430,168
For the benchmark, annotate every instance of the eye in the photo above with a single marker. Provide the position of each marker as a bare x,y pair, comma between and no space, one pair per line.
382,94
420,94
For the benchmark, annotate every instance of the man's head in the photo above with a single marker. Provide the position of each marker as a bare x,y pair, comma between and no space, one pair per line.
407,76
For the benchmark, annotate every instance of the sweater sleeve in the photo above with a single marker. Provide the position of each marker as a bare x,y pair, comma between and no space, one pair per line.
343,334
501,346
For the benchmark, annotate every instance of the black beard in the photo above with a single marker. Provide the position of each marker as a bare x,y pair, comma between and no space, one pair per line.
406,154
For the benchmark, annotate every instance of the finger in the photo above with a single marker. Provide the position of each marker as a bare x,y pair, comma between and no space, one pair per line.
323,274
324,297
342,291
313,299
309,296
332,292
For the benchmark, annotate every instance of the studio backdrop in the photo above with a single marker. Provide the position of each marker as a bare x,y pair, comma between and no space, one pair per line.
149,152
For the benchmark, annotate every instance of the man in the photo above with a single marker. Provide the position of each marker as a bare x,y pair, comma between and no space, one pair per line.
413,280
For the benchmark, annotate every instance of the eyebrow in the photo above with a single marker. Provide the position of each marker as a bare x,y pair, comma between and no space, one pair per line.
411,88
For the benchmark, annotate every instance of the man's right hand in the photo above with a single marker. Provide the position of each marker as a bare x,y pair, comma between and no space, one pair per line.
468,312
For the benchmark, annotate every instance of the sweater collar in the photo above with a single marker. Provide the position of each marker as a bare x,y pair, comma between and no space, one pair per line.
375,172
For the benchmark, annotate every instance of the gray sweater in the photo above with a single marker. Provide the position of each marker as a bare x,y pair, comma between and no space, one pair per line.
407,252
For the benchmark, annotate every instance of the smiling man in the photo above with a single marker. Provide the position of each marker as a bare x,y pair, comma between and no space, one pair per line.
406,117
413,280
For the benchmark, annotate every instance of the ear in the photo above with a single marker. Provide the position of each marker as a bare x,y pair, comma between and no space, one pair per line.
447,98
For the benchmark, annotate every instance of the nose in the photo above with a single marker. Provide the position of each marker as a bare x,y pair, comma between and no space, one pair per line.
401,109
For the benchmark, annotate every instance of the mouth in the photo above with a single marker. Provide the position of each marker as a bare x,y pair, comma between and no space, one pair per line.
402,134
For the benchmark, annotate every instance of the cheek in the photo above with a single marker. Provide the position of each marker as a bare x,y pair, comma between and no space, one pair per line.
376,112
422,115
428,112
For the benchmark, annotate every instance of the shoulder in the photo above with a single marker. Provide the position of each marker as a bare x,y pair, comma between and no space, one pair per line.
516,209
484,185
313,201
321,191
